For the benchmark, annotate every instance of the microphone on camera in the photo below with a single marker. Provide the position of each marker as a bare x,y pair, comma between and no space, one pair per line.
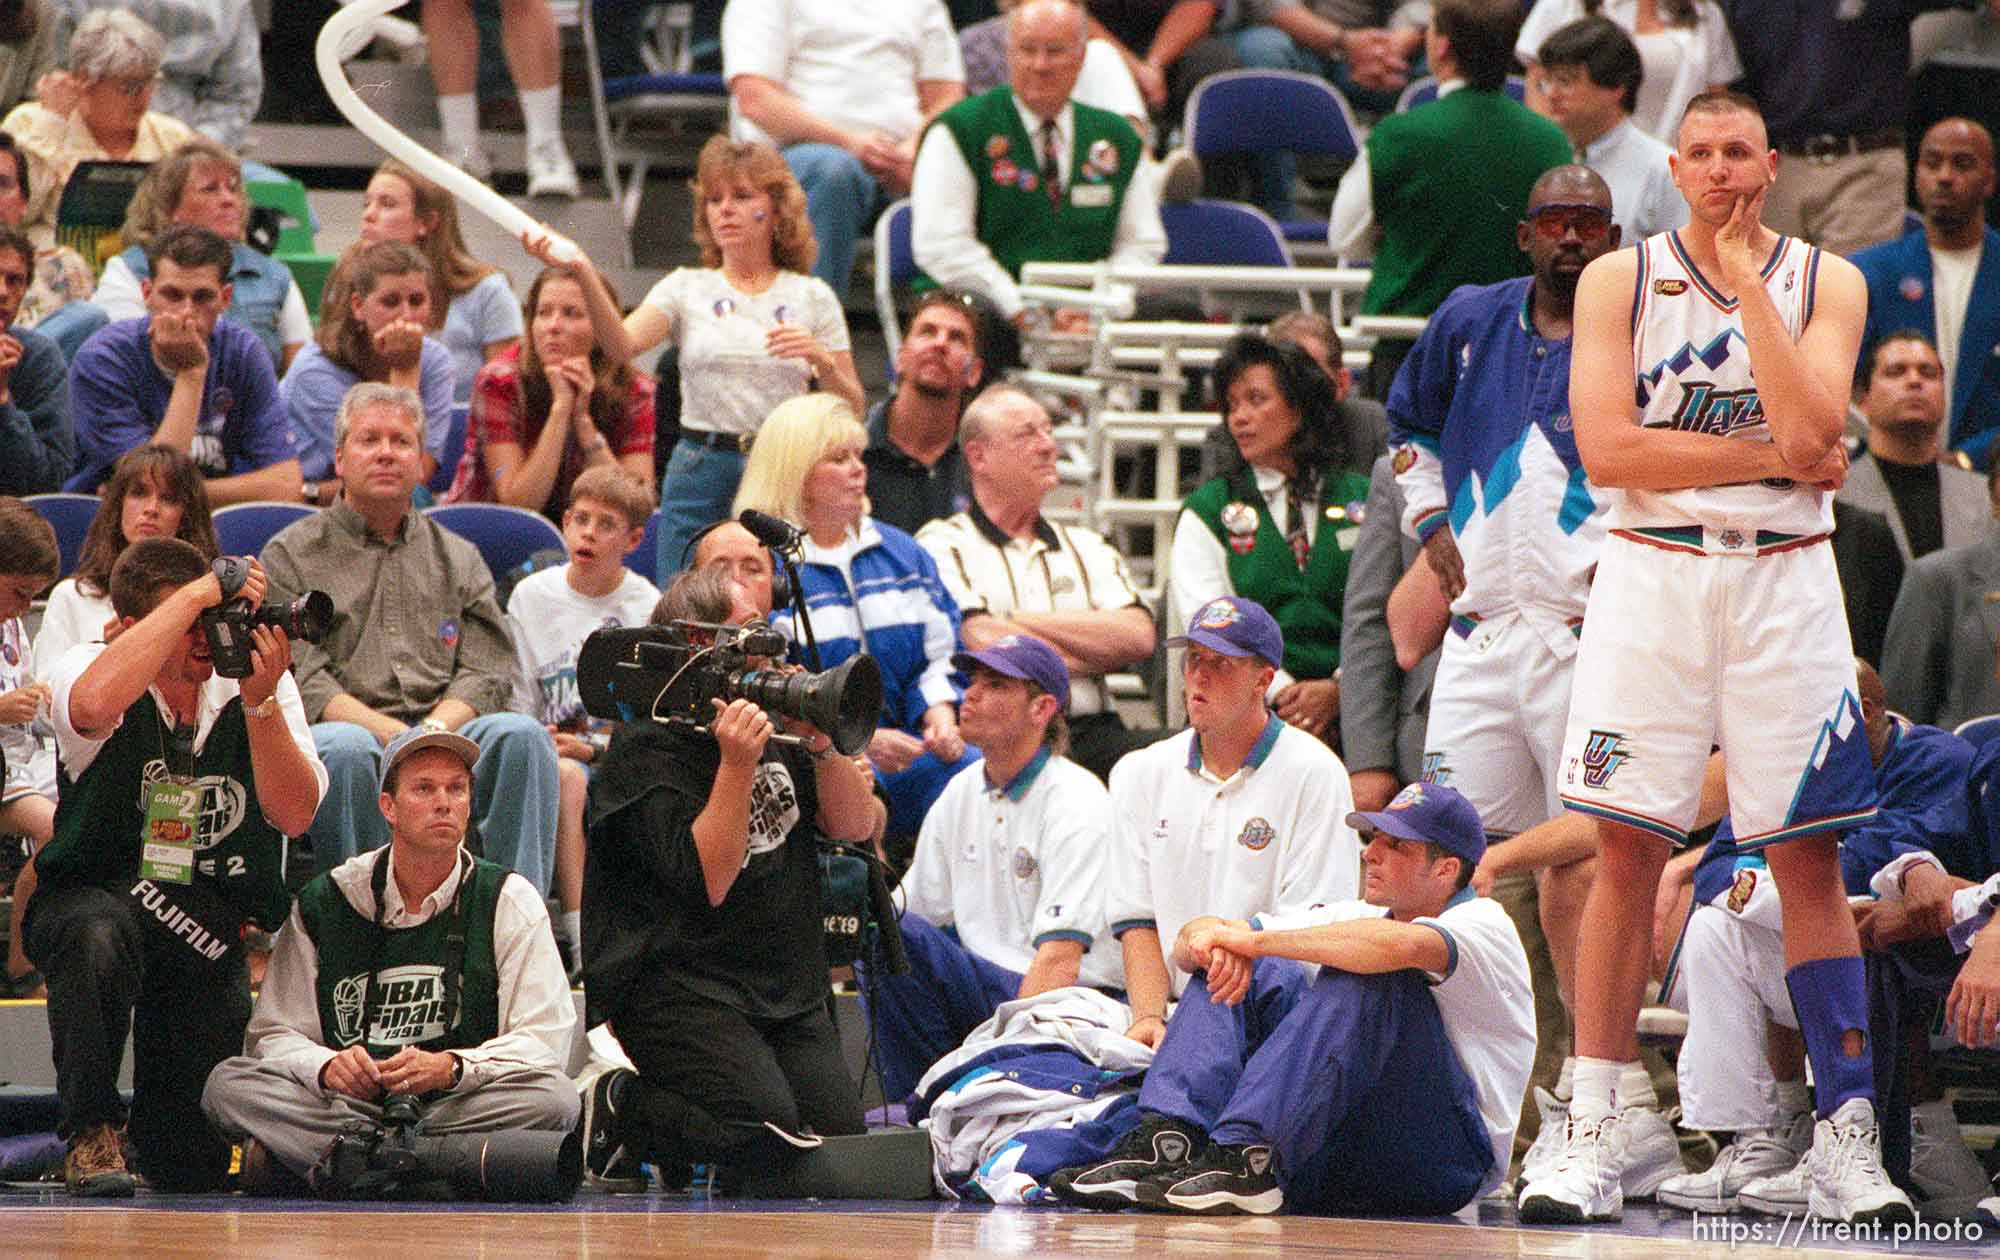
773,532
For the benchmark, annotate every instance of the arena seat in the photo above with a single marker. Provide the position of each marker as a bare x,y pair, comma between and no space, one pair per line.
645,561
1425,90
1271,111
242,529
454,449
1979,731
669,95
895,266
504,535
71,515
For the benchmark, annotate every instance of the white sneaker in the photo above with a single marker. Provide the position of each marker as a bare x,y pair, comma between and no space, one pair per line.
1787,1193
1648,1151
1848,1183
550,172
1755,1153
474,161
1582,1182
1941,1165
1548,1138
1988,1211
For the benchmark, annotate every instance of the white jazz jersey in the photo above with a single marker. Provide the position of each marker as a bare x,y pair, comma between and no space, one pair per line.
1693,370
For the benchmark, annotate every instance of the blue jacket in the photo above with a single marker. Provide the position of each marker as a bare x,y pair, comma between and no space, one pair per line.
897,610
1900,295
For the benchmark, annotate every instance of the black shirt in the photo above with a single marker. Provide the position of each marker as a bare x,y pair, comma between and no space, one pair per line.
1914,487
901,490
646,916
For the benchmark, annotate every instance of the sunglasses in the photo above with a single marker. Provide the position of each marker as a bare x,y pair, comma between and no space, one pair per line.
1555,219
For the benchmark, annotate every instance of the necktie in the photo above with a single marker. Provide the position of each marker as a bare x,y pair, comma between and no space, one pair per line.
1051,172
1300,495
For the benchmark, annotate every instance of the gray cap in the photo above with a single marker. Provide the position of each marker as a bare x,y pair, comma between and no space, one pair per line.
418,738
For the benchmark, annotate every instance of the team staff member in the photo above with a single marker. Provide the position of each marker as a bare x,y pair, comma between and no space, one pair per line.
1419,992
366,995
1239,813
1002,901
179,787
703,944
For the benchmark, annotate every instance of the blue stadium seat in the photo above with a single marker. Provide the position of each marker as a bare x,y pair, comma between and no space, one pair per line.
504,535
1979,731
454,447
1223,234
646,562
1271,111
242,529
895,266
71,515
1425,90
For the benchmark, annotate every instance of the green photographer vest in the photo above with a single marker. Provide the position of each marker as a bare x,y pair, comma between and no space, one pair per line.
101,813
1305,605
1014,218
411,989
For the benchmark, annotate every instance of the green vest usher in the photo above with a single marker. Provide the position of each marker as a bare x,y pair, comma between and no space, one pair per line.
1305,605
410,970
1014,218
239,856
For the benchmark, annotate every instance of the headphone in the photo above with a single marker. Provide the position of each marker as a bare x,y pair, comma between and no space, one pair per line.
781,577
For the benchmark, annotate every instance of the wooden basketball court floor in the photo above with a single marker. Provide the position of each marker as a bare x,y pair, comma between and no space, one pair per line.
596,1226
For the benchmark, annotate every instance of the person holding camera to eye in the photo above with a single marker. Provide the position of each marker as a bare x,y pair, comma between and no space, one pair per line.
178,787
414,970
702,930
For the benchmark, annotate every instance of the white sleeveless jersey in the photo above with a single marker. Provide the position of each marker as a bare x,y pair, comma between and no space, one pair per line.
1693,368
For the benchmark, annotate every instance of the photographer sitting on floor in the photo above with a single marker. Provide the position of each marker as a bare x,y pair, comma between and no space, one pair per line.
413,970
703,937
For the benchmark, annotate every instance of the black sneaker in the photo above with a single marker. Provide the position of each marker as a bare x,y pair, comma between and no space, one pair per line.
1225,1181
1159,1144
607,1161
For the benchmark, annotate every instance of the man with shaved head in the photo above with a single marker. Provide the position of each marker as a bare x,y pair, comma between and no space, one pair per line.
1945,283
1484,396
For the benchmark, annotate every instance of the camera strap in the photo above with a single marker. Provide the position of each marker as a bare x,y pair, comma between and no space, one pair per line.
454,944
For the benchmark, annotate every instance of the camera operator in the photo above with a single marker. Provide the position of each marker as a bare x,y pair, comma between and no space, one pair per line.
178,786
366,995
702,930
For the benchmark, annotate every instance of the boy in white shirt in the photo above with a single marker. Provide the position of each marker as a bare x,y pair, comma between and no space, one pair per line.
553,612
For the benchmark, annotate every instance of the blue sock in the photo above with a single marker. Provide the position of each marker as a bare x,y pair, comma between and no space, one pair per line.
1830,996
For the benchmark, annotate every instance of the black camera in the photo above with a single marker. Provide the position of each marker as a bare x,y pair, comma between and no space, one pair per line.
228,624
671,673
396,1159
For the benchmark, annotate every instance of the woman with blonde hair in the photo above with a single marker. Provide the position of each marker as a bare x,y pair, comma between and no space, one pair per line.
202,183
752,325
372,324
805,467
555,406
477,318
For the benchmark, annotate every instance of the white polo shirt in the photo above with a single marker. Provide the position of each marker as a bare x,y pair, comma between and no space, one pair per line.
1273,836
1484,997
1058,568
1017,866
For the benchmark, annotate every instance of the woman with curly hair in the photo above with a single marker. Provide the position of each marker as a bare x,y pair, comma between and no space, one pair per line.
477,318
554,406
753,327
202,183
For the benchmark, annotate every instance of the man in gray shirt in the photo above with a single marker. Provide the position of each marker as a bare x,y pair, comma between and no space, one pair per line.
417,639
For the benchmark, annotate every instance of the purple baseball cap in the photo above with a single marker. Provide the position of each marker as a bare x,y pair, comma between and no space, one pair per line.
1021,656
1235,626
1429,812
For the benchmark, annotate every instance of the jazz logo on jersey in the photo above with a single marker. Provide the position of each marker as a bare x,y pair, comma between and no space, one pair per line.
1603,753
1257,835
1435,770
1706,409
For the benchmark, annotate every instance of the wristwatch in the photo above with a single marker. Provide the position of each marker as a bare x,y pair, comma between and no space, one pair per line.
457,1070
268,708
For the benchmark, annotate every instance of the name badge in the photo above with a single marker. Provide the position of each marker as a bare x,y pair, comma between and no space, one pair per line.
1347,537
1090,196
173,809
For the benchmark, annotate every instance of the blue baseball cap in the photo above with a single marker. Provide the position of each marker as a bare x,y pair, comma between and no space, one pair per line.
418,738
1433,813
1235,626
1021,656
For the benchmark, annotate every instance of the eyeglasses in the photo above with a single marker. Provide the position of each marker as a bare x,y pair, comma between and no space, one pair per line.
1556,219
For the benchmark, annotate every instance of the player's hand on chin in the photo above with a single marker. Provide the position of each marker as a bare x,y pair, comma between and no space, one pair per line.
1736,241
